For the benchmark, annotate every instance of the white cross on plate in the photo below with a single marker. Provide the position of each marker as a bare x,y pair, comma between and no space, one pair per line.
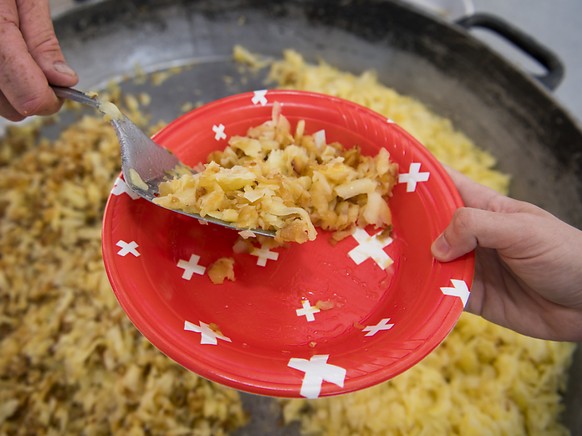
259,97
191,266
382,325
263,255
127,248
307,311
207,335
413,177
219,132
370,247
317,370
120,187
459,289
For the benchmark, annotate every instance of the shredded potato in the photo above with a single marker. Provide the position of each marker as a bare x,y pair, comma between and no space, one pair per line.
289,182
435,132
221,270
71,362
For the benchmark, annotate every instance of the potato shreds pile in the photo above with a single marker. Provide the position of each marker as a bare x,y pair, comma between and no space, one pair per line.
435,132
71,362
483,379
288,182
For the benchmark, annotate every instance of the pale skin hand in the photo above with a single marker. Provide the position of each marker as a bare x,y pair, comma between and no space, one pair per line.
528,274
30,60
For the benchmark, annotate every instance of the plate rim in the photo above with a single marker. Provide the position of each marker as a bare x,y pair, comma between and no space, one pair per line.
242,382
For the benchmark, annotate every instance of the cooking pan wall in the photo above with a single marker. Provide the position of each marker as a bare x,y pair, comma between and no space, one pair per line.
499,107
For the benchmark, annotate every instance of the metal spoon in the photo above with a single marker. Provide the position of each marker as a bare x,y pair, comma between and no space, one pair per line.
144,163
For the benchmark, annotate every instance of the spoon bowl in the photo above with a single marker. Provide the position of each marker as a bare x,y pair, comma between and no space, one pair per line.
144,163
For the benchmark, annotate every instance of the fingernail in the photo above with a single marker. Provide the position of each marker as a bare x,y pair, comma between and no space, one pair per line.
63,68
440,247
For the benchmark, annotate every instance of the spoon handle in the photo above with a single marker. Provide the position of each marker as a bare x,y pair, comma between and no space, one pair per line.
78,96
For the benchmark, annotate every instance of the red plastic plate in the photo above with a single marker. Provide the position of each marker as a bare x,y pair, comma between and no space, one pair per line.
392,302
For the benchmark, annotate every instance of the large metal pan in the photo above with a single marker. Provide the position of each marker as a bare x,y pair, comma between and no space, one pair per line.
503,109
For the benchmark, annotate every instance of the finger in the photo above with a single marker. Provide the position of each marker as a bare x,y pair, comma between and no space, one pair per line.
472,193
7,111
38,32
21,80
479,196
471,227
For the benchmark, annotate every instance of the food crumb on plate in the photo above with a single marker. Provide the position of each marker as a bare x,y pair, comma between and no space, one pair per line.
325,305
221,270
279,178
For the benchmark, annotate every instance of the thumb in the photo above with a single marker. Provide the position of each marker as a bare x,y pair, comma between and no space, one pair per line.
471,227
38,32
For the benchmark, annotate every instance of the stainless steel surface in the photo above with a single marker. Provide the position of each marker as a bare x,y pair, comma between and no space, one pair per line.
448,9
142,160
